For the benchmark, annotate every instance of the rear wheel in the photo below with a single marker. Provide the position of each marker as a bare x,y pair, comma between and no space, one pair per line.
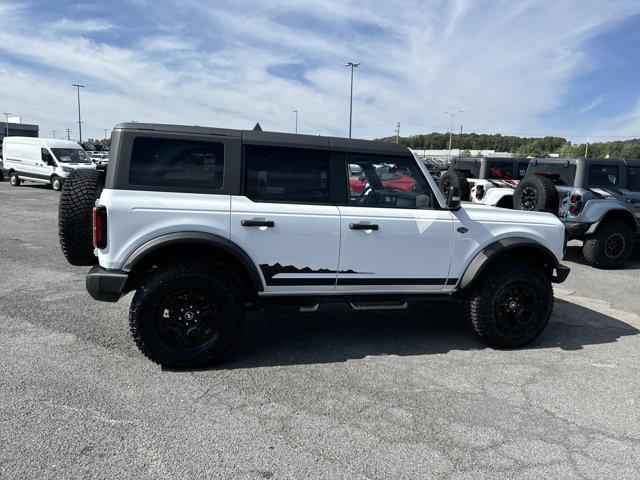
511,304
186,314
610,247
14,179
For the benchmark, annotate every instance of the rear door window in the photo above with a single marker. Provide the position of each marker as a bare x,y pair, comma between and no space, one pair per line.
176,163
287,175
603,176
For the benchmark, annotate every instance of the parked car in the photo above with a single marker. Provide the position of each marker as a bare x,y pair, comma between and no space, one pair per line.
391,177
434,170
490,181
203,223
597,199
100,158
42,160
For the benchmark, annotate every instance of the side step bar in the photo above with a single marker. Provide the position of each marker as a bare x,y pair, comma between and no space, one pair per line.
362,306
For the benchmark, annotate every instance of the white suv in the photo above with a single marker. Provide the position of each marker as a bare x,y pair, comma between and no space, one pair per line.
205,223
490,181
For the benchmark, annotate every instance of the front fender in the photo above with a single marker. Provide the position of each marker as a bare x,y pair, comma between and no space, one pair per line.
488,254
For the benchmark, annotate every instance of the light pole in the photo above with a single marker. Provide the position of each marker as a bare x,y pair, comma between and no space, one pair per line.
296,112
105,132
352,65
78,87
453,114
6,122
68,134
54,133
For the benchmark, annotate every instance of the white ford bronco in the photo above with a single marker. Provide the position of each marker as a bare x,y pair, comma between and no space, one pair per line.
205,223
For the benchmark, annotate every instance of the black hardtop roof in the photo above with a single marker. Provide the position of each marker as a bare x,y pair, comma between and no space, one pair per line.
480,159
577,160
253,137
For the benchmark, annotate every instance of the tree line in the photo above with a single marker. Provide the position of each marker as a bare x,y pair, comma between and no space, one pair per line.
521,146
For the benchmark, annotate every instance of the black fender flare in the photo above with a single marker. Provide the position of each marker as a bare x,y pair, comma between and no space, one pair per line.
484,258
200,238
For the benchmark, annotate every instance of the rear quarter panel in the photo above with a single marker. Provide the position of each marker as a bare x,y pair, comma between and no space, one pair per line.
135,217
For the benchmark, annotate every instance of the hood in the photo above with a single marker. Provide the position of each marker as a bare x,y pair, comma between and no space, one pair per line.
480,212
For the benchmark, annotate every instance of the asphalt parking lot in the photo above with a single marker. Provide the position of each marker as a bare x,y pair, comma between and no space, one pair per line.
331,394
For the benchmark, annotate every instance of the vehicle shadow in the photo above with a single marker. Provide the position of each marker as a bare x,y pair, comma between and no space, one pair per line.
574,254
337,334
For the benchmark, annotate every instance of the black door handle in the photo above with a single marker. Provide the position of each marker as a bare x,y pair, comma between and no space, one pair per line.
257,223
363,226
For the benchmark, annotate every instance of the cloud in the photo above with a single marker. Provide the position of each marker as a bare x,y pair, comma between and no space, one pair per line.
232,63
66,25
592,104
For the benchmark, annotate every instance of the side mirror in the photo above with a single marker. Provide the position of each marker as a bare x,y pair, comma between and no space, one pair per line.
453,199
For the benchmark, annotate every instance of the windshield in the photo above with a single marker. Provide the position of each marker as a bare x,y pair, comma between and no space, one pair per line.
71,155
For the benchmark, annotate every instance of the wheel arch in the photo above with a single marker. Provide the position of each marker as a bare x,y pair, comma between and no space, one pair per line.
621,214
508,247
196,245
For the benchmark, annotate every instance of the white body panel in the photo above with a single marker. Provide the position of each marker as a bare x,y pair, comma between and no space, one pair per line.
135,217
487,224
23,155
410,251
303,237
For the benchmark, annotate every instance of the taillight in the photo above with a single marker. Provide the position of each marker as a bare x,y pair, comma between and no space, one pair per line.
100,227
479,191
575,202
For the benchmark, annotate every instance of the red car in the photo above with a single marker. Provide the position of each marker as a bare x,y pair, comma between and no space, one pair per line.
397,180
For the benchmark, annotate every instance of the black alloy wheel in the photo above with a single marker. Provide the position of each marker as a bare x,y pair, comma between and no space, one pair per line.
188,318
615,245
516,307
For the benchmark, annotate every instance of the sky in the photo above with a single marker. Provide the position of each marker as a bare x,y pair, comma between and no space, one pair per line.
525,67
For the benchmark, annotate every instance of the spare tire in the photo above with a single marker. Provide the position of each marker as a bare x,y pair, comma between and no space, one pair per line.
453,178
75,219
536,194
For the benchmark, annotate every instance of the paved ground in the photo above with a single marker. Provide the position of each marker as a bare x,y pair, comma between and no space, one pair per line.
331,394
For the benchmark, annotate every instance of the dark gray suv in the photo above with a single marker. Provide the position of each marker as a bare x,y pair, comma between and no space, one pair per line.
597,199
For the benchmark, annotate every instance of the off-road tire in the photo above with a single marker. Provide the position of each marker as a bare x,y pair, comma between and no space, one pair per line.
165,281
56,183
546,195
595,248
481,302
75,223
1,175
14,179
453,178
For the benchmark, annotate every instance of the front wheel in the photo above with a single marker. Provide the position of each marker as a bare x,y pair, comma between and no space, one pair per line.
511,304
186,314
56,183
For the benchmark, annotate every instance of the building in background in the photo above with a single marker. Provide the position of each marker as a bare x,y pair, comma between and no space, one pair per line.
17,129
441,157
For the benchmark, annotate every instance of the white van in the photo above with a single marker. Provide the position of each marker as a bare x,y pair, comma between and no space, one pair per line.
45,160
